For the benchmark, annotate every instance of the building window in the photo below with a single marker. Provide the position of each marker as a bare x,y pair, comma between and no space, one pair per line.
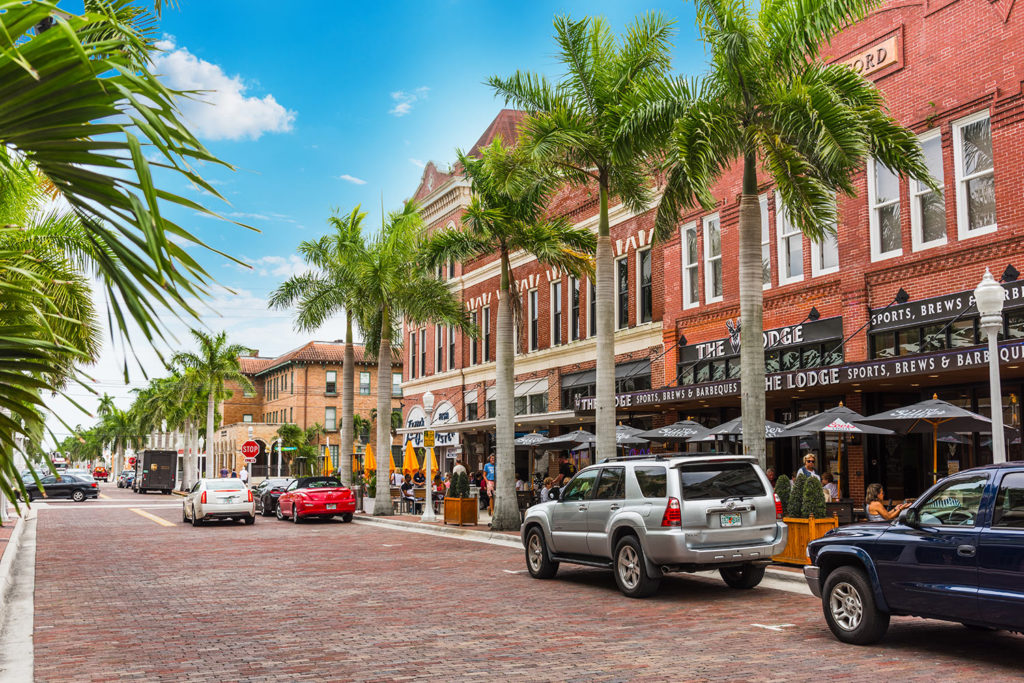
364,384
923,339
487,333
396,384
248,394
291,414
645,294
791,246
474,343
574,310
534,320
825,254
884,201
439,344
592,317
975,175
766,243
538,403
247,417
330,419
556,313
712,259
691,275
622,298
332,382
423,351
412,356
492,408
451,348
451,269
521,405
471,413
927,207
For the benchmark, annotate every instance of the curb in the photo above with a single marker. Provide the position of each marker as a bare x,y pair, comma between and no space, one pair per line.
786,575
492,537
7,563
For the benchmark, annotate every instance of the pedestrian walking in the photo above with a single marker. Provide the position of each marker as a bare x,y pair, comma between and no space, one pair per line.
243,474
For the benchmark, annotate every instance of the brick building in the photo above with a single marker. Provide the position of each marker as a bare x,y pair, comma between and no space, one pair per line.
301,387
878,317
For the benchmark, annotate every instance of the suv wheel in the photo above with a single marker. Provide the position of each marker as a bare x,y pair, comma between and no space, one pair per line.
538,563
631,569
746,576
850,609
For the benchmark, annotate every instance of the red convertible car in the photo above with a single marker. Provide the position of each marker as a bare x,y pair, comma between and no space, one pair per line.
316,497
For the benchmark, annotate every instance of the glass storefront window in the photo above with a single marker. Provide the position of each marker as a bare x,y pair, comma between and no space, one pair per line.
1015,324
811,357
734,368
933,338
909,341
790,359
685,375
962,333
832,353
717,370
771,361
538,403
883,345
702,373
520,405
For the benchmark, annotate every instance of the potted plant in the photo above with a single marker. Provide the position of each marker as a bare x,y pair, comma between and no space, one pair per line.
371,493
459,507
805,515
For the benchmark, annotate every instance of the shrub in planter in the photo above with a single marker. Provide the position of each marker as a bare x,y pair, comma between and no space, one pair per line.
782,488
796,497
814,499
459,508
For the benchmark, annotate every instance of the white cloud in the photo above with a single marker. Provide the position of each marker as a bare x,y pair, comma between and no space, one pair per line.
253,216
404,100
351,179
417,162
223,112
277,266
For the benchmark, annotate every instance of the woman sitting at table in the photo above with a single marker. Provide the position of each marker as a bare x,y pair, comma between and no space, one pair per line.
419,478
876,509
439,487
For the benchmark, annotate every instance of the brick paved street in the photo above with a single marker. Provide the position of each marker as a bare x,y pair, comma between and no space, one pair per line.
120,597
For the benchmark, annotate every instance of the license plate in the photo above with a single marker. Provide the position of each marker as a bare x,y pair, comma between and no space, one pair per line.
731,519
233,499
332,506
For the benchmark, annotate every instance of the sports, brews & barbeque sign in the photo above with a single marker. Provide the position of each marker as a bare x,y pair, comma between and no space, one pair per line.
937,309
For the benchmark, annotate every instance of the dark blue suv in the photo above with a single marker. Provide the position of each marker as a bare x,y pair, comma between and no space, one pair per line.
956,554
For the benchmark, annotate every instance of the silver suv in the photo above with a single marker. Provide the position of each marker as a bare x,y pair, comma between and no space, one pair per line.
645,517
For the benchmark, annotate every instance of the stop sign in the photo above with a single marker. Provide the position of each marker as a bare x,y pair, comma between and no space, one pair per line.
131,461
250,449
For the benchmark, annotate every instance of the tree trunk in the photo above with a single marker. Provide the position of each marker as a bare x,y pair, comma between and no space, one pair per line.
506,507
119,456
210,406
604,402
751,317
382,503
189,467
348,404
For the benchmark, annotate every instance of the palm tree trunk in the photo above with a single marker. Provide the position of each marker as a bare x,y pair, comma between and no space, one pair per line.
189,473
348,404
506,508
382,503
120,456
604,402
751,316
210,406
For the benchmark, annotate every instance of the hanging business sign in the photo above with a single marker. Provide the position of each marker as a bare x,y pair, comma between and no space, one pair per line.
778,338
444,414
937,309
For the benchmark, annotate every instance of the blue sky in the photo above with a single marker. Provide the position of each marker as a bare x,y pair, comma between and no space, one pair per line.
332,104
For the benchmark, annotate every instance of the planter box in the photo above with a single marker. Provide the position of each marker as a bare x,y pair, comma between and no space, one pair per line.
801,532
368,503
460,511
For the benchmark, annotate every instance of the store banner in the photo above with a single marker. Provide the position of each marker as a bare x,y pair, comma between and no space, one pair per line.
778,338
937,309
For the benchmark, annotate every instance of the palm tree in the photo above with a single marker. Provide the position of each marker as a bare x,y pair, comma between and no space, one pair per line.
574,129
507,214
394,284
770,102
120,430
214,364
323,293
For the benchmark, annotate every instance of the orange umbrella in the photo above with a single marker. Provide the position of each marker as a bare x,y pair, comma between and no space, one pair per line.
409,463
369,461
391,457
433,463
355,462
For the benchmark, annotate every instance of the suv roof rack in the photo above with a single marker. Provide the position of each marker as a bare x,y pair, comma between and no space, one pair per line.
645,456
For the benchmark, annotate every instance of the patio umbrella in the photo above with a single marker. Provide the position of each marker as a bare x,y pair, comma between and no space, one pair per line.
931,416
839,420
409,463
567,442
681,431
772,430
433,462
530,442
369,461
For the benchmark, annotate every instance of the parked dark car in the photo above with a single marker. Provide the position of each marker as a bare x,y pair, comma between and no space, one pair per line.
267,492
956,554
125,479
62,486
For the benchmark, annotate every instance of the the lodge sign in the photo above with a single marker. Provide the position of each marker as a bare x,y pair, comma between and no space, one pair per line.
893,368
781,337
875,57
937,309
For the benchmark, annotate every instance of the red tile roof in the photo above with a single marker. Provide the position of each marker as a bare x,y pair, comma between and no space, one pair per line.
252,364
311,352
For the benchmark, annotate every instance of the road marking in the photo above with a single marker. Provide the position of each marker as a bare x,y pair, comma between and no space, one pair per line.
514,571
104,496
159,520
391,545
777,627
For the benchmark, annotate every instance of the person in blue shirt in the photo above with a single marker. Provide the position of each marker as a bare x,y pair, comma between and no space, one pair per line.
489,475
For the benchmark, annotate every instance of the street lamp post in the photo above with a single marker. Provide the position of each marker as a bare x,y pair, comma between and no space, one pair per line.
989,295
279,456
428,508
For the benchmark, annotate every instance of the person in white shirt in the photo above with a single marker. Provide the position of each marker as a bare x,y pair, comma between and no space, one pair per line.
397,479
243,474
545,493
829,487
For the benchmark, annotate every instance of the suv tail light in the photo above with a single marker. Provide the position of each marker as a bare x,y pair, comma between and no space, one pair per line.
673,515
202,498
250,495
778,507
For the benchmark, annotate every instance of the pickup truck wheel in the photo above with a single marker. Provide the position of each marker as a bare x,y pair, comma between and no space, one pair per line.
631,569
746,576
538,563
850,610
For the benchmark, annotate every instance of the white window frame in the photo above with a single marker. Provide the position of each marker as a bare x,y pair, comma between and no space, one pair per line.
555,301
781,237
247,417
917,190
621,259
591,330
687,294
709,296
962,221
474,344
873,225
485,333
639,286
439,348
766,238
451,352
576,287
533,299
394,386
333,425
361,373
816,261
423,352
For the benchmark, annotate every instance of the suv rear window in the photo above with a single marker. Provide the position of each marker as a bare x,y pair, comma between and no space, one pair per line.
720,480
651,481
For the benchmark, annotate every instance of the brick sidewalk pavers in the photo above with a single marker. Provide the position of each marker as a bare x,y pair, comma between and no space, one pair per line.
119,597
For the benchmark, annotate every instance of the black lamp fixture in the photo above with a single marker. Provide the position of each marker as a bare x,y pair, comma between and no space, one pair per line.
902,297
814,314
1010,274
682,340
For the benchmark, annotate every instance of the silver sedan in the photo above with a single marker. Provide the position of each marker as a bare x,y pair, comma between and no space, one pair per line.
218,499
